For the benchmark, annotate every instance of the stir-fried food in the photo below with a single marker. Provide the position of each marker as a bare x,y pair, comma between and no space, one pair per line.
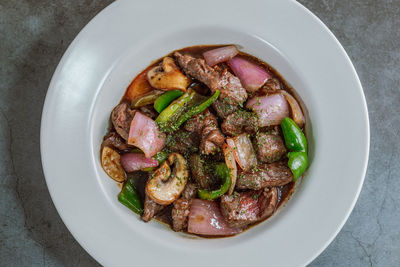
208,140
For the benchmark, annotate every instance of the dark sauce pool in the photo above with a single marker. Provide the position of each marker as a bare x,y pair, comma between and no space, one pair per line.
284,192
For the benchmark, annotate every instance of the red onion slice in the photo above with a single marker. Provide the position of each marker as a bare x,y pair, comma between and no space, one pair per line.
205,218
251,75
297,114
145,135
231,163
218,55
135,161
270,109
243,151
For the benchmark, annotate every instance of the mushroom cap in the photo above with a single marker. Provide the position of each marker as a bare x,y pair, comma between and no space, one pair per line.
111,163
168,76
166,185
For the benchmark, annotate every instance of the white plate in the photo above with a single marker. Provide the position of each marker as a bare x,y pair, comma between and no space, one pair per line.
122,40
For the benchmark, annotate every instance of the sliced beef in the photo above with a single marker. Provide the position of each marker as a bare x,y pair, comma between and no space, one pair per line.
151,209
215,78
195,123
183,141
190,191
149,111
265,175
212,141
270,147
242,209
268,202
199,172
200,88
270,87
116,141
238,122
121,118
180,211
206,125
273,84
223,109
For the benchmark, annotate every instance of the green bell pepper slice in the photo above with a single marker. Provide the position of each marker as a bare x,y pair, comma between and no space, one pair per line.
296,143
130,198
298,162
181,109
294,137
196,109
165,99
222,171
176,107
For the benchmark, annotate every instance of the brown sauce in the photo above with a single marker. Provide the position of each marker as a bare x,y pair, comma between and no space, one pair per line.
284,192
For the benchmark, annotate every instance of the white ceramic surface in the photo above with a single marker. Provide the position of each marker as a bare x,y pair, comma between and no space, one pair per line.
121,41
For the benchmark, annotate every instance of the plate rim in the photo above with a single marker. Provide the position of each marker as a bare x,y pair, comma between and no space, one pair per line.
366,114
52,90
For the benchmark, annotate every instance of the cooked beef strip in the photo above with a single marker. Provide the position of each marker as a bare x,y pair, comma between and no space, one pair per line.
183,142
270,87
270,147
151,208
269,202
121,118
215,78
190,191
273,84
265,175
180,213
206,125
199,172
240,121
222,109
149,111
181,209
212,141
242,209
116,141
200,88
195,124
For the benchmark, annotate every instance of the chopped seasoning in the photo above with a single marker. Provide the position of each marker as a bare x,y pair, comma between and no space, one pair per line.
179,139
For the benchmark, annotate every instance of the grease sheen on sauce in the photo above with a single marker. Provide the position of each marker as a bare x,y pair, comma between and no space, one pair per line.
284,192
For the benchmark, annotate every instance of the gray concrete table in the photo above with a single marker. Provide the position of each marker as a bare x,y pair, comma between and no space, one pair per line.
35,34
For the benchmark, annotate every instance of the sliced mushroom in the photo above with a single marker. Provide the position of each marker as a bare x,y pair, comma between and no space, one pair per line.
168,76
110,161
166,186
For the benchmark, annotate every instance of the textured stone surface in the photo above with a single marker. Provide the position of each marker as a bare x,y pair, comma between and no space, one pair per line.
33,37
369,31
